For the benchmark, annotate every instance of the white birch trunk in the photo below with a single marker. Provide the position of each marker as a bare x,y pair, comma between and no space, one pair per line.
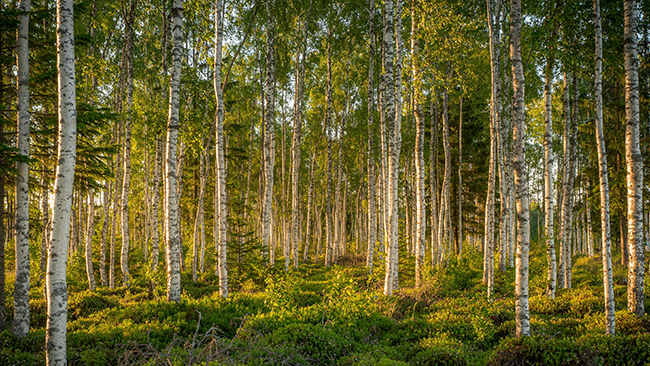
126,182
551,273
634,163
21,289
494,10
220,168
372,209
155,232
55,282
172,214
45,210
420,204
90,231
522,317
606,237
102,243
269,129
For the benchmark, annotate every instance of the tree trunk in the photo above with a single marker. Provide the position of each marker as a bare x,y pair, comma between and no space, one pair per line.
90,231
420,204
372,209
551,273
494,11
45,220
3,309
328,134
634,162
460,177
269,129
522,318
606,238
124,257
310,199
55,282
220,169
102,243
172,214
297,142
21,289
155,233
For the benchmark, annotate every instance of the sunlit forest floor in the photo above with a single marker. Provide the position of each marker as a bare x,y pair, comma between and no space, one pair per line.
338,316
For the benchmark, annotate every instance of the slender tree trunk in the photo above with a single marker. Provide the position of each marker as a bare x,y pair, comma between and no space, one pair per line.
551,273
102,245
606,238
310,199
269,129
372,209
45,220
172,214
395,144
124,257
328,133
393,119
433,172
634,162
90,231
297,141
420,204
220,168
494,11
155,233
3,309
55,281
460,177
522,317
21,289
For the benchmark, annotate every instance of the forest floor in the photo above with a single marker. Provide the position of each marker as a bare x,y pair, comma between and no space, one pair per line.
338,316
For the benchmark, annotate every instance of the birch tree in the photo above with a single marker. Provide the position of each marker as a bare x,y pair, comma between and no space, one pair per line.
172,213
297,140
90,231
551,273
126,182
220,169
606,237
494,10
634,163
522,317
372,209
421,223
394,141
56,291
269,129
21,289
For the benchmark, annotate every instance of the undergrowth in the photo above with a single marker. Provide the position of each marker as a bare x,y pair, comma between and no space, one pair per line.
339,316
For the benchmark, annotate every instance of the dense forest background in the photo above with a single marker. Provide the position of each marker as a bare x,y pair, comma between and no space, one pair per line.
261,160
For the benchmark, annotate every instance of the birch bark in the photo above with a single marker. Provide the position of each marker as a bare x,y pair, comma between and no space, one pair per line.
606,237
55,281
126,183
421,223
372,209
494,10
522,317
172,214
634,162
551,273
269,129
21,289
297,142
220,168
90,231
